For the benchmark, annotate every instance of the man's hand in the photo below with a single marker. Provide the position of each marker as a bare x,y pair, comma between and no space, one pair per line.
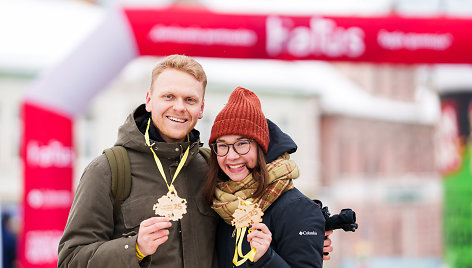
152,233
259,238
327,248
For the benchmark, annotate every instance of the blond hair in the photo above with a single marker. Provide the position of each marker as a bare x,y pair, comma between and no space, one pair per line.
181,63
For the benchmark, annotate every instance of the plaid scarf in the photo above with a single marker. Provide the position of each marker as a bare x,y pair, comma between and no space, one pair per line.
281,172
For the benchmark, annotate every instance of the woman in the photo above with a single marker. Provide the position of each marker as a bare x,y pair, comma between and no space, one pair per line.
243,168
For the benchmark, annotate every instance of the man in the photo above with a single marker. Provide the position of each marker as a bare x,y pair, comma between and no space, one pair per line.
92,238
8,240
172,170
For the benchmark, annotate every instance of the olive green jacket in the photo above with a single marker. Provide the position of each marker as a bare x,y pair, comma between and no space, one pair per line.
92,238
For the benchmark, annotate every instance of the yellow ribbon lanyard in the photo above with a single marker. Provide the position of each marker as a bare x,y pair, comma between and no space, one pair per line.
158,162
240,232
238,251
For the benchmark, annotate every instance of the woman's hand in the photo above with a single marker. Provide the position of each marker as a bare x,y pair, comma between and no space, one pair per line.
327,247
259,238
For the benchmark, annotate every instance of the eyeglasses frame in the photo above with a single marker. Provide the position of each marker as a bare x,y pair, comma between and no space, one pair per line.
234,148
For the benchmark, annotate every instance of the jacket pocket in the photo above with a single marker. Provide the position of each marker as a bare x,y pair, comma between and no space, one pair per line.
137,210
202,226
204,208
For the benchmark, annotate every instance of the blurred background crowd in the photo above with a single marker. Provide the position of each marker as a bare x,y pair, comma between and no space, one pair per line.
372,137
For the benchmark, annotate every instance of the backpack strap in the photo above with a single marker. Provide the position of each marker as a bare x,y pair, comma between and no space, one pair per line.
120,175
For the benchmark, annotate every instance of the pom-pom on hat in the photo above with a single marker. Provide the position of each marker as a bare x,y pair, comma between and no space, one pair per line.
243,116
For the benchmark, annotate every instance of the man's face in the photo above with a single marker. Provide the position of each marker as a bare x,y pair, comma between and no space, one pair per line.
176,103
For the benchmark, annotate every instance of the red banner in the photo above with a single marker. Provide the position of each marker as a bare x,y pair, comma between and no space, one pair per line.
48,160
199,32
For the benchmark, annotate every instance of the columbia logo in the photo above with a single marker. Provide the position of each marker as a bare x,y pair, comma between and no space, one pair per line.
308,233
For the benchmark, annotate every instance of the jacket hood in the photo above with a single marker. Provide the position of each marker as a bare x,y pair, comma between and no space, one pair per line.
131,133
279,144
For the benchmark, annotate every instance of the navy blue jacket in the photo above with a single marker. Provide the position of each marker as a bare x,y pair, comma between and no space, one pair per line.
295,221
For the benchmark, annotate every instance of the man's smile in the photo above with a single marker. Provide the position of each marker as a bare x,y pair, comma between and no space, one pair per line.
175,119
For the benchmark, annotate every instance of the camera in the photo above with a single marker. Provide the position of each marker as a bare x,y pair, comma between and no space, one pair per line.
345,220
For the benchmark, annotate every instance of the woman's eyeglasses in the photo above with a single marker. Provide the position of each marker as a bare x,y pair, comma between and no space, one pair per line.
241,147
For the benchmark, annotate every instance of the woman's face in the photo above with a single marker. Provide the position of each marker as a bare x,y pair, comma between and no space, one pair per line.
233,164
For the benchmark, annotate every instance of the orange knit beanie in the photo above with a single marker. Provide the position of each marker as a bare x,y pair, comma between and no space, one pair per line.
243,116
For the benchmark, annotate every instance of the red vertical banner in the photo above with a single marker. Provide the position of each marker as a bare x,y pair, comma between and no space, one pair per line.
48,159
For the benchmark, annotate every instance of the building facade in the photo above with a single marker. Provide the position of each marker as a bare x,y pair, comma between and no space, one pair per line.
385,170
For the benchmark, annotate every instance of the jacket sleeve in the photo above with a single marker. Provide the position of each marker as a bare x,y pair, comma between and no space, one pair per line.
298,236
88,236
